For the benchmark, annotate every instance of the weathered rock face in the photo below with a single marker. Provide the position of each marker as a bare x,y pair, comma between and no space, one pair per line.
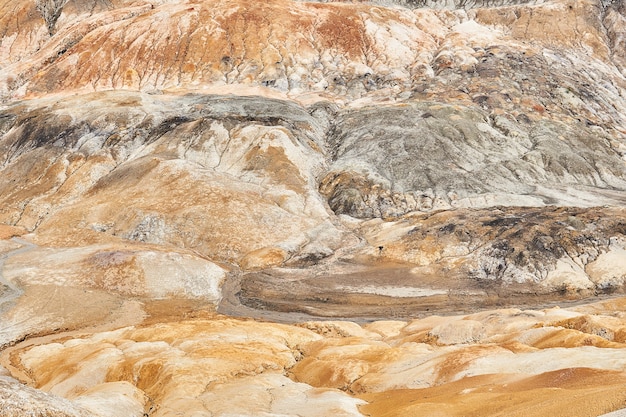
221,176
158,208
392,160
461,260
508,246
517,126
339,49
19,400
289,160
526,361
235,180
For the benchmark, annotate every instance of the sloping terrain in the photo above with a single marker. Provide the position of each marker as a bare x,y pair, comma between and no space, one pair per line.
177,177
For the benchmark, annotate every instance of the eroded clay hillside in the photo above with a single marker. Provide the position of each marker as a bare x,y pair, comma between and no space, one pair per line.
178,177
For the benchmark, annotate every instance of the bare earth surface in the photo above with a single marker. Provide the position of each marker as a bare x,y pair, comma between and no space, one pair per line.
300,208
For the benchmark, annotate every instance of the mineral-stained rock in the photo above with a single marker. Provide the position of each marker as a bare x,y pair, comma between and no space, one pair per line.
193,172
146,273
392,160
420,162
517,245
343,49
225,366
446,260
20,400
219,367
237,182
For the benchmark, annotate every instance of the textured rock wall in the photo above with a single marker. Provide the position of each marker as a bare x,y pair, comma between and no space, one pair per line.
236,179
248,162
511,245
507,69
388,161
345,50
